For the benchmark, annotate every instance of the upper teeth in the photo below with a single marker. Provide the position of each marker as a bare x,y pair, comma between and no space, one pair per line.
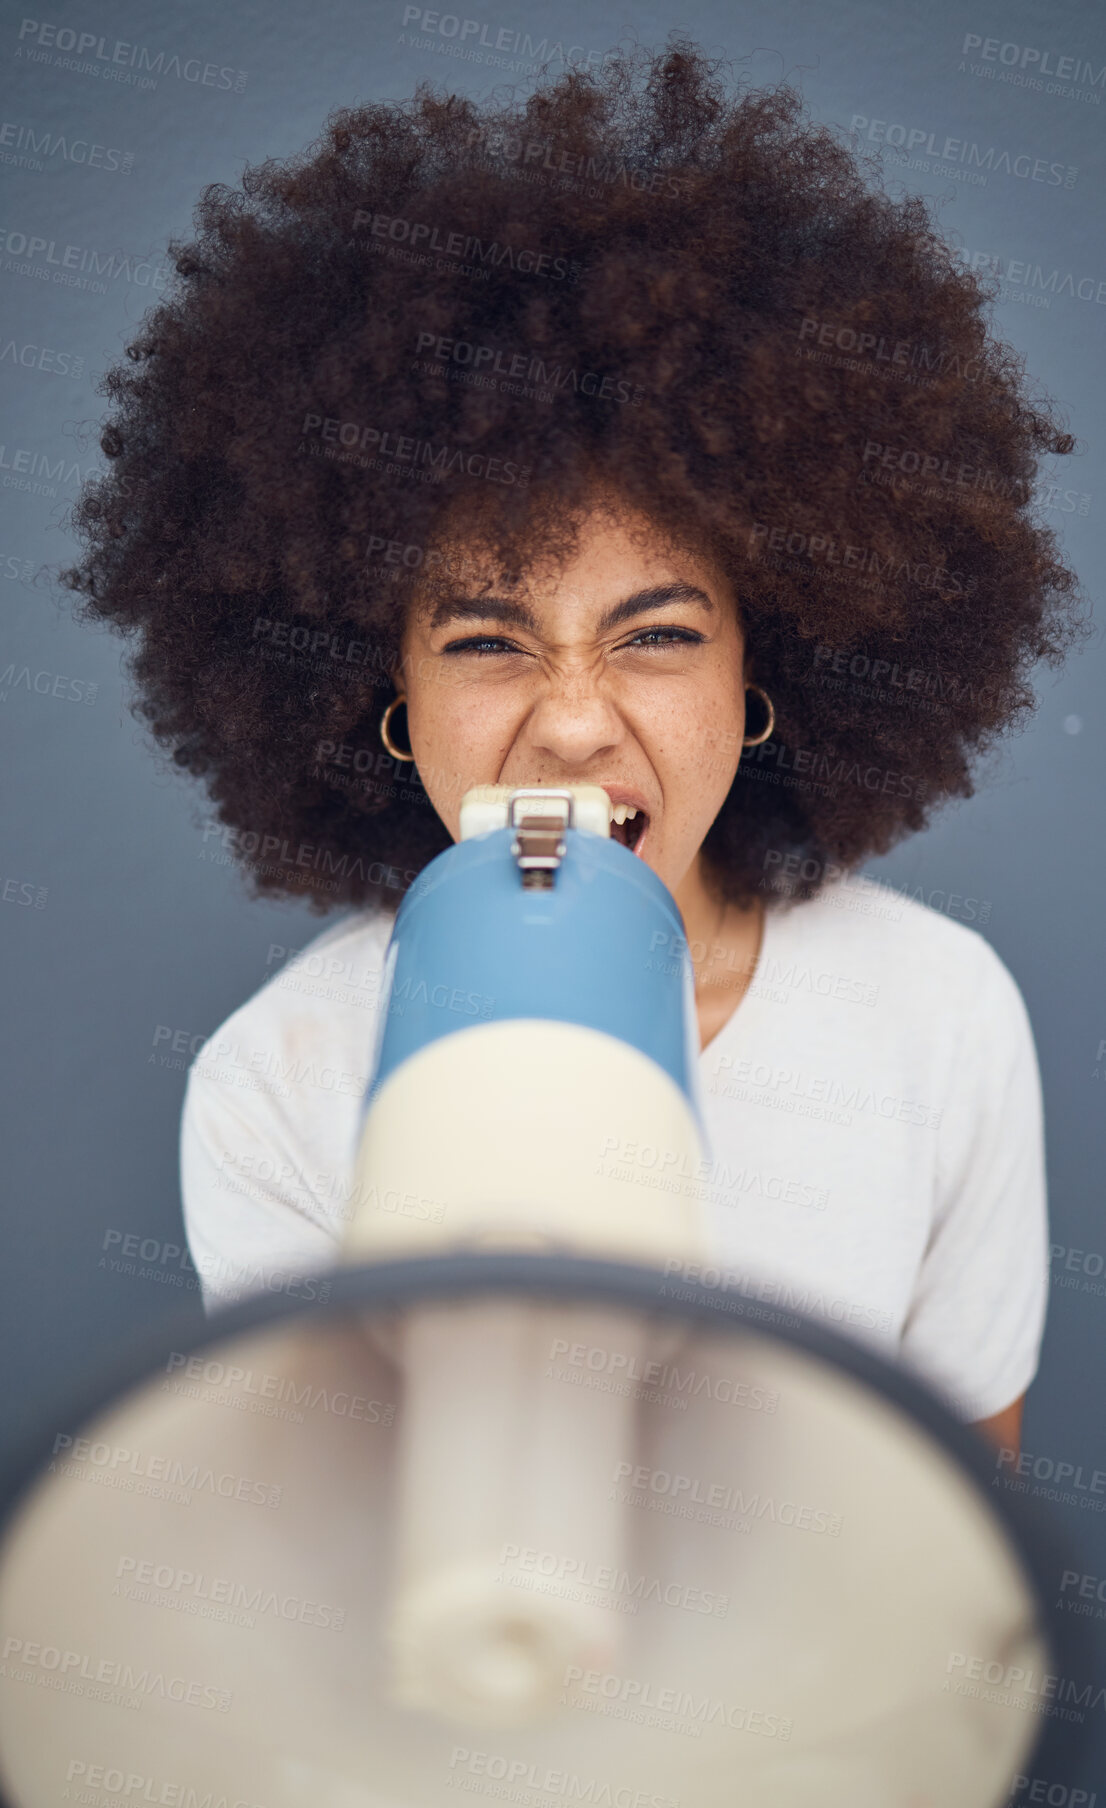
622,811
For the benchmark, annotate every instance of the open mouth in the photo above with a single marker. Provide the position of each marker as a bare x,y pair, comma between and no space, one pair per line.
630,832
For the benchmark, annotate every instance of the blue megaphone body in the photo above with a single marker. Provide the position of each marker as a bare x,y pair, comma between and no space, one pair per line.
538,970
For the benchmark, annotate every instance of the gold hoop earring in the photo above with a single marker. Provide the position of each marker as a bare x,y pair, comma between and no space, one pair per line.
758,740
397,753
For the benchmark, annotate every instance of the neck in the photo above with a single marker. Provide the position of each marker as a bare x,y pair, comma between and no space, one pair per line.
723,940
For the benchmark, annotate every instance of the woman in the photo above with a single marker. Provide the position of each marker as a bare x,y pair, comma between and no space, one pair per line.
626,436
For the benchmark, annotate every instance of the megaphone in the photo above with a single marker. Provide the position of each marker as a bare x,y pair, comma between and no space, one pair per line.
512,1511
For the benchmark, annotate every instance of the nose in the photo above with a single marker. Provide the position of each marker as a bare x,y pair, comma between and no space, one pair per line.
574,721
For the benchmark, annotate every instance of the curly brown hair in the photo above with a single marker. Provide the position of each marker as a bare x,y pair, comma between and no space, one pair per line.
634,280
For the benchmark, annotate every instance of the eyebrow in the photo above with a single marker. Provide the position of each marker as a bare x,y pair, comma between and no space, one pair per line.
497,608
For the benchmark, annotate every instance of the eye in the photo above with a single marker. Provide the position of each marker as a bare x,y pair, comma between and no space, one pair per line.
480,644
678,634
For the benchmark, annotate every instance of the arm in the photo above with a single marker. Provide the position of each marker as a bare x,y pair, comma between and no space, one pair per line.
1004,1429
977,1315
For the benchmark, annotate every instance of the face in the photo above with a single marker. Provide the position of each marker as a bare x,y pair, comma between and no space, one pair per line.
624,668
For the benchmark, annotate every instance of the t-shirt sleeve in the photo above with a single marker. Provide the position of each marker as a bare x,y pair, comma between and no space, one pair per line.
251,1222
977,1314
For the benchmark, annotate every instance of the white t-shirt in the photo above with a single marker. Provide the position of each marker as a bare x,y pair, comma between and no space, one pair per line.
873,1106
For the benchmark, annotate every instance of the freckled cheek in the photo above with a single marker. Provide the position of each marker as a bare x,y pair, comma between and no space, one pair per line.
711,743
460,745
707,722
468,723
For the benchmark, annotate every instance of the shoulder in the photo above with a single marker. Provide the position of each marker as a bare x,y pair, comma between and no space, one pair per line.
924,994
320,1003
915,953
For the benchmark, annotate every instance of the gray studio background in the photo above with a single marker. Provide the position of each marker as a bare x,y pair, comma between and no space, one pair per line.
114,927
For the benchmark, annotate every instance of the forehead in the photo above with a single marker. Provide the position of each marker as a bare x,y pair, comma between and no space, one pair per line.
522,614
619,565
